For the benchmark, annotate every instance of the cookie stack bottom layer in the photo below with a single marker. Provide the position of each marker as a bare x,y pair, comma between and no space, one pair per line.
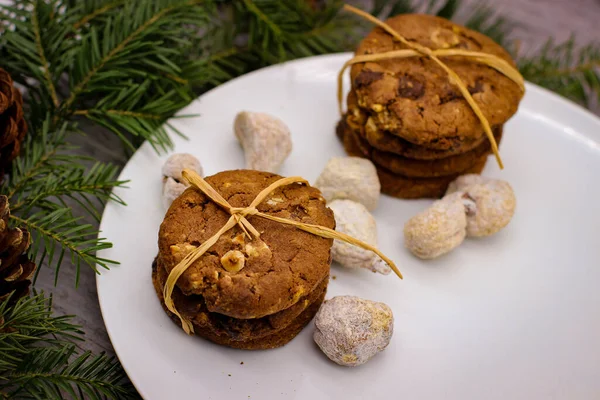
398,185
268,332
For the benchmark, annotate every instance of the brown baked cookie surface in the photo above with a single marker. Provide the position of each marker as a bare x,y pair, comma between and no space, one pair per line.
400,186
413,97
424,168
360,121
284,265
225,331
193,309
415,188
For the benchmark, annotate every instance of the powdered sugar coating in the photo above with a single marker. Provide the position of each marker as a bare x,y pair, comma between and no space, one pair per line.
173,185
492,206
437,230
351,330
490,203
171,190
351,178
463,182
266,140
177,162
354,219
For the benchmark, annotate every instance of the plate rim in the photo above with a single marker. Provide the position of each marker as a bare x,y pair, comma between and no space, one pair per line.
552,97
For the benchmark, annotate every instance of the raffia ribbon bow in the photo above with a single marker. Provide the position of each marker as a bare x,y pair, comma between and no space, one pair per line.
417,50
238,217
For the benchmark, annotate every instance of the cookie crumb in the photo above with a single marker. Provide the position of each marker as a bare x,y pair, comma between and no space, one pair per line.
334,277
241,363
228,374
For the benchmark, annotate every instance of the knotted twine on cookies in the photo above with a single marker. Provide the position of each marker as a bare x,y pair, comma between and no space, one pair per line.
417,50
238,217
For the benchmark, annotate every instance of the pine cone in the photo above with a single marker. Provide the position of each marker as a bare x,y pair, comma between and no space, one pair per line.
12,121
16,269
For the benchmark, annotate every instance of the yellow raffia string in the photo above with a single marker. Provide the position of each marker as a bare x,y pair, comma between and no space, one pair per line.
238,217
418,50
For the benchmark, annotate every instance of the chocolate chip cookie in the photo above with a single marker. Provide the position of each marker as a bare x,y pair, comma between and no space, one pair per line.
400,186
413,98
360,122
281,267
267,332
424,168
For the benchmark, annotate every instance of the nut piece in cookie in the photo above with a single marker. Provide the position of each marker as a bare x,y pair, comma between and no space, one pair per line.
414,98
248,277
266,140
351,330
354,219
437,230
173,185
351,178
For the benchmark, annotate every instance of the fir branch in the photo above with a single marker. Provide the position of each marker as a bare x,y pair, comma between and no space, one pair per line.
46,172
219,55
383,9
39,46
485,20
143,62
40,49
102,52
446,10
39,360
121,113
481,18
139,110
95,12
287,29
42,181
116,50
49,373
56,233
253,9
27,323
563,68
76,184
42,155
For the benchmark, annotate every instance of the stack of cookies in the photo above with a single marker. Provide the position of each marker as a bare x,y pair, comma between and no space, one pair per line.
247,293
411,121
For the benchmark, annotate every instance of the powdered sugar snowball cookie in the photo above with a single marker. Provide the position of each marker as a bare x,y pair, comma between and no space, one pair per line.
266,140
354,219
173,185
437,230
489,203
351,331
351,178
465,181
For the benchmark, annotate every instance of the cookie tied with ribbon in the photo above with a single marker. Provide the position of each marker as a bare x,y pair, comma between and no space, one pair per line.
431,82
248,245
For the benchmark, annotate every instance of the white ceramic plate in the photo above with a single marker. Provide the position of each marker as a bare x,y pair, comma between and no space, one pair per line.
513,316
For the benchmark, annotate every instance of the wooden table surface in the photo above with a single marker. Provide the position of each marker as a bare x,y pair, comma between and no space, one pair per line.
536,21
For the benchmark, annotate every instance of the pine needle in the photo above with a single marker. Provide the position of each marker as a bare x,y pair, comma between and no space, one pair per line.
39,358
43,179
573,72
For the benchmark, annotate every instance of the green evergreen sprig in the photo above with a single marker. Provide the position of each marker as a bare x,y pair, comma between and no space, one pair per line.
44,183
39,358
280,30
566,69
129,66
122,61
